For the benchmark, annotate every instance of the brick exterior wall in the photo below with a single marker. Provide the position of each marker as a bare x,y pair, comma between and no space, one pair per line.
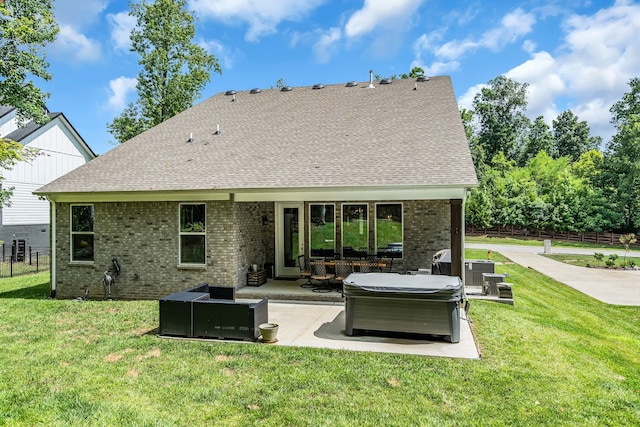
143,237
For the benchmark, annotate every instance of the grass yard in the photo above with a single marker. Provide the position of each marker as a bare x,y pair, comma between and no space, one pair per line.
590,260
533,242
557,357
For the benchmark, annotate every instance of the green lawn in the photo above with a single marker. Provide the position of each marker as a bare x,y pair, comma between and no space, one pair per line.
590,260
533,242
555,358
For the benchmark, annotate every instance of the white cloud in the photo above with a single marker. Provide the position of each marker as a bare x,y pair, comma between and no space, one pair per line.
121,25
512,27
225,56
599,56
326,44
262,17
121,88
466,100
545,85
73,16
381,14
76,46
78,13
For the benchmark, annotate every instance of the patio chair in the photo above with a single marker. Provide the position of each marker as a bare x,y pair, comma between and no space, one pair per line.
319,273
343,269
305,271
368,266
375,263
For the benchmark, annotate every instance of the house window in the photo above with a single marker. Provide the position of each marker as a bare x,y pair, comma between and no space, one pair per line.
192,233
389,229
82,233
355,230
322,230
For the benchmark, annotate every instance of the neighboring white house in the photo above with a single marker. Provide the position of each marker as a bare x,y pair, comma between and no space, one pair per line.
26,221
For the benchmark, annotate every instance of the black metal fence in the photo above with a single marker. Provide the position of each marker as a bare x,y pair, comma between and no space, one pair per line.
16,261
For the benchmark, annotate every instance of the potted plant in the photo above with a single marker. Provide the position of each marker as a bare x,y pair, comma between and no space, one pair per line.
269,331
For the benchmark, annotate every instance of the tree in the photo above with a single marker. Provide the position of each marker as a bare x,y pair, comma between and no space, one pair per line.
572,138
628,107
26,26
499,109
415,72
174,69
627,240
538,139
619,178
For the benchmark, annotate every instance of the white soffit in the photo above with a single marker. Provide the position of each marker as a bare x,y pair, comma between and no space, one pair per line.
442,193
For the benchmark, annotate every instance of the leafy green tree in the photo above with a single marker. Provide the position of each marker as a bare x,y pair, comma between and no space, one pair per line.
627,240
499,108
538,139
628,107
26,27
174,69
572,137
619,178
477,152
415,72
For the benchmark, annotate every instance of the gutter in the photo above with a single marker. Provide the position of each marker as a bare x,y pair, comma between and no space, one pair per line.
52,243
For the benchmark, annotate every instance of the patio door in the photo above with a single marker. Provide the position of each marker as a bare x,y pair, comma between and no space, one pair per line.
289,238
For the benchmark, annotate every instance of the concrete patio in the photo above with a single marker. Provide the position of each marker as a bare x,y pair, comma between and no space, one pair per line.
310,319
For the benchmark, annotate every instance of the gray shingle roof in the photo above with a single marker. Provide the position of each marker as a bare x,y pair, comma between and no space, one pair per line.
392,135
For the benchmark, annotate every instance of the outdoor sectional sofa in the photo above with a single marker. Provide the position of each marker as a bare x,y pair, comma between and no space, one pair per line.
211,312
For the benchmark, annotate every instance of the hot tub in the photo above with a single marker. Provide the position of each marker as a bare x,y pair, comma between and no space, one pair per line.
391,302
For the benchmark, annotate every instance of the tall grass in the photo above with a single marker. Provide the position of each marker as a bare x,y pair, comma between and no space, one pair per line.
557,357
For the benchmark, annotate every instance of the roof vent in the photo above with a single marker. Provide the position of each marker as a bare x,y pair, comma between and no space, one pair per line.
385,81
352,84
422,78
230,92
255,90
286,89
318,86
370,80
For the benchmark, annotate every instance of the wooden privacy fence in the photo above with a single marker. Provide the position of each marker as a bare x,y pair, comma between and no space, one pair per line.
606,238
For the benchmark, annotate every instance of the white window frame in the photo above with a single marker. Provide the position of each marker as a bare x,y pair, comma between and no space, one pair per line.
192,233
73,233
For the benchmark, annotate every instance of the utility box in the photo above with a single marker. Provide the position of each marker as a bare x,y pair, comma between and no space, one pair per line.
473,270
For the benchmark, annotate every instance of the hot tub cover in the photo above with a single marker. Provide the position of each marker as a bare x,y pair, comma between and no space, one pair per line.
439,287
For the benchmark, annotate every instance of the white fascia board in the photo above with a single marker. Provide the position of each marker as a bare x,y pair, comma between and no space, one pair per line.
352,194
137,196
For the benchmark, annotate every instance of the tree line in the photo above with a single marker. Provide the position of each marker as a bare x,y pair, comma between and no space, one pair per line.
555,178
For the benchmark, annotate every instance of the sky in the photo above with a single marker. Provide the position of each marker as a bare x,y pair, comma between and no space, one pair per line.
573,54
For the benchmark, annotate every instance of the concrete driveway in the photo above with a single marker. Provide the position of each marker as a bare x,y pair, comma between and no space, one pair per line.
620,287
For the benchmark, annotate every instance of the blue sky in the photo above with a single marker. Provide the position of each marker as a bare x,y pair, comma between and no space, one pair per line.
577,55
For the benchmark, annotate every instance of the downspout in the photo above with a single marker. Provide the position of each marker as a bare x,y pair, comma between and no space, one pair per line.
52,250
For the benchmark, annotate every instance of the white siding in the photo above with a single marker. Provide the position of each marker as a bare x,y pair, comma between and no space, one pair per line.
25,207
8,123
60,152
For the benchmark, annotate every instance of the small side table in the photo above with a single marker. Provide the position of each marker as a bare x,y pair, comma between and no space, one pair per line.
256,278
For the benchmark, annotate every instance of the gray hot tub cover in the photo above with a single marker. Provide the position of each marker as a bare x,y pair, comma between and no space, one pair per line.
423,284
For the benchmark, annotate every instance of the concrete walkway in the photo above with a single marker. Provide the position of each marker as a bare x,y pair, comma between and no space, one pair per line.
620,287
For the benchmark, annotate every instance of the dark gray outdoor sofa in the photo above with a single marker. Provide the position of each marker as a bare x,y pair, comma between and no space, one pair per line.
211,312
